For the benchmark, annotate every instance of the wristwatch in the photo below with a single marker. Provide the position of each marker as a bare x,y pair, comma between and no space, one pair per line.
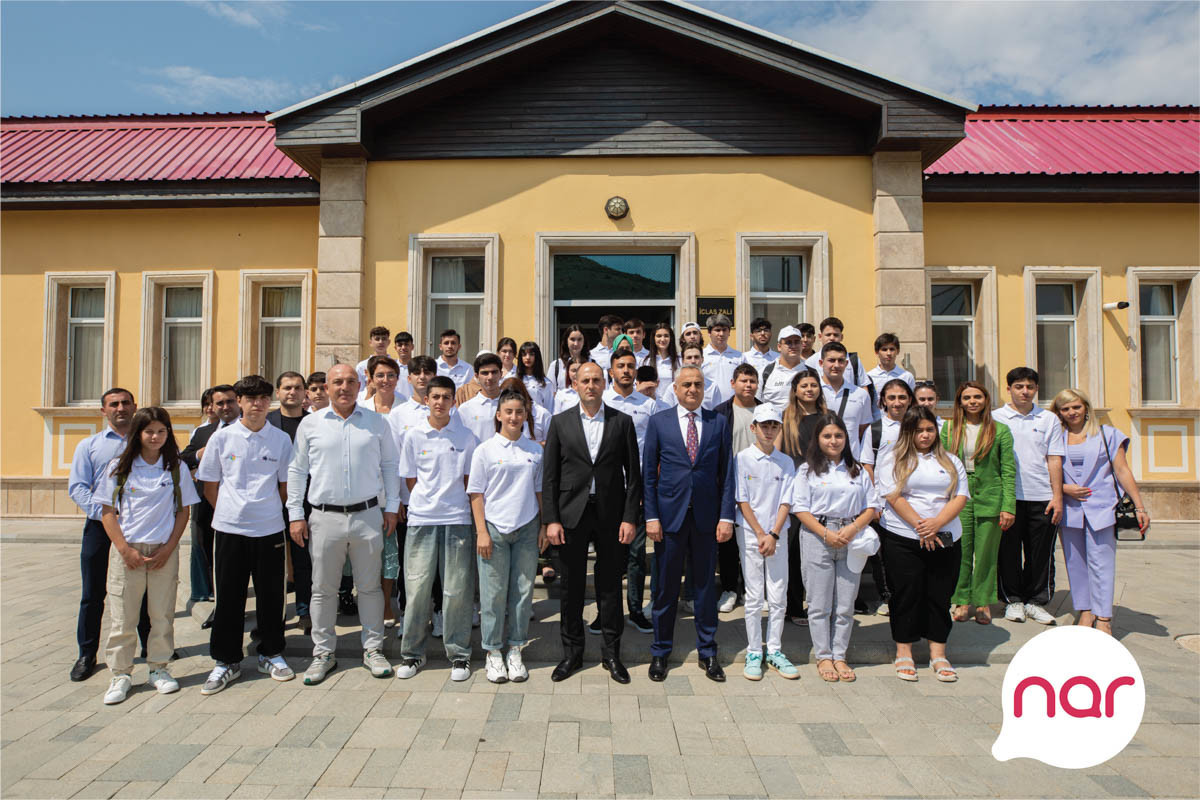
773,533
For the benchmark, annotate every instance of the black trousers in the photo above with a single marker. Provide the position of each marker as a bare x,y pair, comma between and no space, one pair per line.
795,592
729,567
611,556
240,559
202,524
301,568
1031,535
93,568
922,582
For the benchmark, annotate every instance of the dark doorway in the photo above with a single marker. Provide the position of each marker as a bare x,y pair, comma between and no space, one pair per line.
587,317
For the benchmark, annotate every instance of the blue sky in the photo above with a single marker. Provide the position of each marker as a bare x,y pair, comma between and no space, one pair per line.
208,55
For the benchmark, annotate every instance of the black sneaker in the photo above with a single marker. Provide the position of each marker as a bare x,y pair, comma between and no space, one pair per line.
594,628
638,620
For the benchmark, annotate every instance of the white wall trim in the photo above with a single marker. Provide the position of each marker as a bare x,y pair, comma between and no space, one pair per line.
250,281
1134,277
422,247
1088,321
987,354
64,460
54,350
1152,432
815,245
149,374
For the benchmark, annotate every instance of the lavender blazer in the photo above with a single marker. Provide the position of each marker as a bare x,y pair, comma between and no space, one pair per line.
1096,474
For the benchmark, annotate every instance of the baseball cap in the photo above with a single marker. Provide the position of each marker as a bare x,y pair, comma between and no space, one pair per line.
861,547
767,412
688,326
787,331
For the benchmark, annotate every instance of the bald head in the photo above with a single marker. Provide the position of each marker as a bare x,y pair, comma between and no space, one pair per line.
341,381
589,382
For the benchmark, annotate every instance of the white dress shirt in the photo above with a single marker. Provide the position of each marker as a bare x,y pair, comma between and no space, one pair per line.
343,461
541,394
682,415
602,355
925,491
479,415
759,360
147,512
249,466
889,434
718,367
593,432
509,476
857,412
637,406
834,494
564,399
461,373
764,481
439,460
776,389
642,357
1035,435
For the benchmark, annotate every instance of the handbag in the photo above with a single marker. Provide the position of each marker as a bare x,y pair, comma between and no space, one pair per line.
1126,511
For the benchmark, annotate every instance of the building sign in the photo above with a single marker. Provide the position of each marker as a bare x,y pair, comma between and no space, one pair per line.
707,306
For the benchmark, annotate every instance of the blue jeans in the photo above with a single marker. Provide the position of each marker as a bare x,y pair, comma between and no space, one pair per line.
429,549
506,585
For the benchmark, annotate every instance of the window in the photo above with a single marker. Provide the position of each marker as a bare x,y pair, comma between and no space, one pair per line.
1055,309
77,339
182,315
85,344
952,343
1159,355
176,348
456,301
778,288
452,283
279,331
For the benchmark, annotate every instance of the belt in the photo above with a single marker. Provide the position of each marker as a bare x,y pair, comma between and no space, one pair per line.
836,521
350,509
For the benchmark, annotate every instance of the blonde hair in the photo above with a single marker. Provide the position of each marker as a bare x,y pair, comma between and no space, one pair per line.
906,453
1091,425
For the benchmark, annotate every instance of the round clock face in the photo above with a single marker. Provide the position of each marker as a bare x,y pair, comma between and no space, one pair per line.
616,207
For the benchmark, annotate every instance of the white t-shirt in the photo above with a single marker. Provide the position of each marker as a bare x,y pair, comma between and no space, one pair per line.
402,418
889,433
637,406
764,482
439,460
509,475
718,367
1035,435
602,355
479,415
461,373
776,389
541,423
249,465
147,510
834,494
925,491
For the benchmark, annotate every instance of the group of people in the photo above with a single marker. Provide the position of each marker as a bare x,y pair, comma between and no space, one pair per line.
773,478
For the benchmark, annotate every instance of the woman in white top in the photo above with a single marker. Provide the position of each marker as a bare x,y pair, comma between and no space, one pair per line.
926,394
506,348
567,397
925,489
531,370
665,358
146,494
537,419
382,373
835,501
571,346
506,501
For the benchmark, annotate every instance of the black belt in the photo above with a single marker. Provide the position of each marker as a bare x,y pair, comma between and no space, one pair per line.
351,509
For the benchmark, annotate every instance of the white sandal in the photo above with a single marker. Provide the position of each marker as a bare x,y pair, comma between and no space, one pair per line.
946,674
905,676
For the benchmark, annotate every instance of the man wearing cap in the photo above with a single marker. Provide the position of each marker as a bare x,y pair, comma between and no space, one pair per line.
690,334
777,377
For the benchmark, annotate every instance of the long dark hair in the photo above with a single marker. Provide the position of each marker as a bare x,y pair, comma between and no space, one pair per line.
564,352
672,350
816,459
893,384
538,370
133,447
514,389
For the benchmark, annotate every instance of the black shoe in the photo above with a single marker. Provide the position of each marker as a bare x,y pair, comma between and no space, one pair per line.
615,669
347,606
639,621
712,669
174,655
83,668
860,607
143,654
594,628
208,623
566,668
254,632
658,668
306,625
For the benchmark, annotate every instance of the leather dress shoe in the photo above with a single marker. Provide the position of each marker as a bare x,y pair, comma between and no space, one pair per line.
566,668
712,669
658,668
83,668
615,669
208,623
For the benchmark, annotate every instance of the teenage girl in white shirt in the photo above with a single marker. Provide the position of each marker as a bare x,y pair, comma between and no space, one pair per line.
531,371
665,358
571,346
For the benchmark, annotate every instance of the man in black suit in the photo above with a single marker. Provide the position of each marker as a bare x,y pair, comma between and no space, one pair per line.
591,492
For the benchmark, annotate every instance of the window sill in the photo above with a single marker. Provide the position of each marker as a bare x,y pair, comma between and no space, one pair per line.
1184,412
69,411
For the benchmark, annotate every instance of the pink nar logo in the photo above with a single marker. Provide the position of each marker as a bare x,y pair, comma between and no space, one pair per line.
1064,695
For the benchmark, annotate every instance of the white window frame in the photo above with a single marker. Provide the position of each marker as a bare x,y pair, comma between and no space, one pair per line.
1187,352
813,246
152,377
250,306
56,347
422,247
1172,323
1088,369
984,329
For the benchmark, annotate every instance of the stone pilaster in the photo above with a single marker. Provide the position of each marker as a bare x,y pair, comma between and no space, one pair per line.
900,303
340,262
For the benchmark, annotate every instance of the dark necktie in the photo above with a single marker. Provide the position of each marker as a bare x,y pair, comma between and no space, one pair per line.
693,440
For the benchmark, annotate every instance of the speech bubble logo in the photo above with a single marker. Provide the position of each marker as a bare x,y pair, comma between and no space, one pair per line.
1073,698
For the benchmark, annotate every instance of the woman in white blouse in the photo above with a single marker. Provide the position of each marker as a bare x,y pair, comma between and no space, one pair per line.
531,370
506,501
571,346
925,488
835,501
664,358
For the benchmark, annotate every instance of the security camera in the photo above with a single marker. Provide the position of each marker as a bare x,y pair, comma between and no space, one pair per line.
1118,306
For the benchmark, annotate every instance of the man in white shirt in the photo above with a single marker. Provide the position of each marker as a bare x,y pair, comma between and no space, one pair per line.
435,463
449,364
776,385
380,338
635,329
403,344
245,471
479,413
832,330
1026,587
887,349
761,354
851,403
610,329
719,358
350,456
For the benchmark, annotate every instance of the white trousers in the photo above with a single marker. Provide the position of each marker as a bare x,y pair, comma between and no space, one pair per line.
766,582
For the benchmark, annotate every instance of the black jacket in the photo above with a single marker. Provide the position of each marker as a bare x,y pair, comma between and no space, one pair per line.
726,410
568,471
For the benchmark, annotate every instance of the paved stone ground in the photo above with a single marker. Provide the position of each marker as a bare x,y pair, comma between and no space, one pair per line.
355,736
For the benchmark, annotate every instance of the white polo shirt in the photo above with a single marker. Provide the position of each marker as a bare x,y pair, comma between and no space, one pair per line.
925,491
479,415
541,423
564,399
509,475
889,434
666,376
760,360
602,355
541,394
776,389
249,466
879,376
859,377
461,373
835,493
637,406
856,413
439,460
147,510
1035,435
718,367
764,481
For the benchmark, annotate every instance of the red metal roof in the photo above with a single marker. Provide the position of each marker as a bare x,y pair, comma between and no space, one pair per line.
159,147
1060,140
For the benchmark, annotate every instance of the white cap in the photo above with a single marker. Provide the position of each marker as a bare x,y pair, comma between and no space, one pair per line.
766,412
689,325
787,331
861,547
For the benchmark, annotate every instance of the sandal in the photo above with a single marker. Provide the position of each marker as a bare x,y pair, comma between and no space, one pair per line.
844,672
1104,625
946,674
1090,623
905,673
828,674
983,615
960,613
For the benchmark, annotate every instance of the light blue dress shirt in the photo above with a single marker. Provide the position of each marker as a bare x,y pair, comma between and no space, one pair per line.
87,468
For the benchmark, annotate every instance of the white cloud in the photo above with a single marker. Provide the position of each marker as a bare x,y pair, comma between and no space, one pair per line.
256,14
997,52
193,88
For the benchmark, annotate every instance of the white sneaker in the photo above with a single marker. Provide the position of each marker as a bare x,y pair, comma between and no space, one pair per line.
409,667
322,664
221,676
1014,612
460,670
118,690
883,610
516,667
375,661
161,680
1039,614
475,619
496,672
437,624
276,667
727,602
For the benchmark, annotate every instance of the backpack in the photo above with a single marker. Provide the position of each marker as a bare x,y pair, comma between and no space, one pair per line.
176,494
876,436
855,365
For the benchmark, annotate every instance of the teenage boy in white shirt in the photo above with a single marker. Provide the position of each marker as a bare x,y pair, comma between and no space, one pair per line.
776,385
245,473
887,348
719,358
380,339
832,330
435,463
1038,447
635,329
692,355
850,402
479,413
610,329
403,344
761,354
449,364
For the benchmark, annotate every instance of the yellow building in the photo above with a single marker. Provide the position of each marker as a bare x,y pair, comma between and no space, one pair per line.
471,187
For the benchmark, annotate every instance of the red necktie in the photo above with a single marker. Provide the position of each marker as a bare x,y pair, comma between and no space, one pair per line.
693,441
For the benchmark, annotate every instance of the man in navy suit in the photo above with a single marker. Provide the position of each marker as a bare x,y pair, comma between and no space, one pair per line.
689,509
